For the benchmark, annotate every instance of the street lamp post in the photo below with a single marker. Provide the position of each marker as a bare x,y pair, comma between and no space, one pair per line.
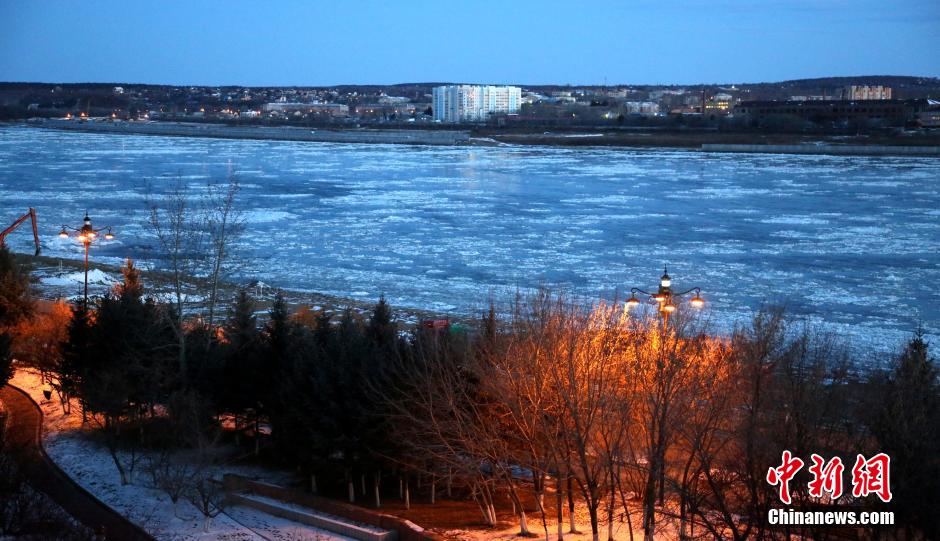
665,297
86,234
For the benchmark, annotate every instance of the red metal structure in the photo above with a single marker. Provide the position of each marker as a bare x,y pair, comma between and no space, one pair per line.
436,324
31,214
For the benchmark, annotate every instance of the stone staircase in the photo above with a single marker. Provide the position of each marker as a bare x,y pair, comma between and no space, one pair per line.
297,513
337,517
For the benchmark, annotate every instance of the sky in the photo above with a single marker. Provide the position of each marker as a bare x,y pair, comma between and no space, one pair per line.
320,42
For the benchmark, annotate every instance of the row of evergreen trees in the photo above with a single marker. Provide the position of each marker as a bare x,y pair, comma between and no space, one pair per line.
300,388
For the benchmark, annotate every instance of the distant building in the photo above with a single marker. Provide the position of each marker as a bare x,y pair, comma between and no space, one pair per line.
118,90
929,119
393,100
474,103
641,107
658,94
808,98
383,109
866,92
533,97
892,112
287,108
720,103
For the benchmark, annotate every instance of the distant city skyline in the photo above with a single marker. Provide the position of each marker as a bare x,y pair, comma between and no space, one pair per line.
294,43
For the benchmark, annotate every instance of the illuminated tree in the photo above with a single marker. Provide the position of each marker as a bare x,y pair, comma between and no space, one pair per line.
38,342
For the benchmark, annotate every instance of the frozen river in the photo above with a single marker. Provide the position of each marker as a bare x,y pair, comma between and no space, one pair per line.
854,241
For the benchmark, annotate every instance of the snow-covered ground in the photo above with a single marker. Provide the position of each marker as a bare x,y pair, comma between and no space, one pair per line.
851,244
66,441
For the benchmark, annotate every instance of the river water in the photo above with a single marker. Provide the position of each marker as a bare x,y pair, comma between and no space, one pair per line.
851,243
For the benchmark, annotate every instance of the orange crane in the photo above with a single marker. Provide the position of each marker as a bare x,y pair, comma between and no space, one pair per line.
31,214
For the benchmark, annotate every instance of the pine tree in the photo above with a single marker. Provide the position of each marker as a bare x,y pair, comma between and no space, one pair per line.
280,333
488,330
117,370
382,330
904,415
277,332
242,327
76,351
204,362
244,365
131,288
6,357
15,300
323,332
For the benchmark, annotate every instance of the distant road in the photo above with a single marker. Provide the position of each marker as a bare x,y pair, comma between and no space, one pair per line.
23,430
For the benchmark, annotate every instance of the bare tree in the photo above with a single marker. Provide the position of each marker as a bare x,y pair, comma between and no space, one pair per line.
225,223
179,226
196,233
208,496
442,420
771,387
171,473
565,392
703,432
37,343
197,430
664,356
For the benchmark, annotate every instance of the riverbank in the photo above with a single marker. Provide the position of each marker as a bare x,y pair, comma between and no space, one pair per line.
48,272
828,149
274,133
924,144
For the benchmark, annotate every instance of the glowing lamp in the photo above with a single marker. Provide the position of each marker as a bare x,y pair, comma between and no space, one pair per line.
109,236
63,234
659,297
83,238
632,302
665,280
669,308
697,301
91,234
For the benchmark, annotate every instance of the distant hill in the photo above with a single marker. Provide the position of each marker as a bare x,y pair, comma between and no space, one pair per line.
887,80
904,87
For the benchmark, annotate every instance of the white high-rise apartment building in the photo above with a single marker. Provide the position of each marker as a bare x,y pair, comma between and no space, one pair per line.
474,103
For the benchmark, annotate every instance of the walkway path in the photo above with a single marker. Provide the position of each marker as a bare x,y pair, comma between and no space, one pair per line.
23,431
